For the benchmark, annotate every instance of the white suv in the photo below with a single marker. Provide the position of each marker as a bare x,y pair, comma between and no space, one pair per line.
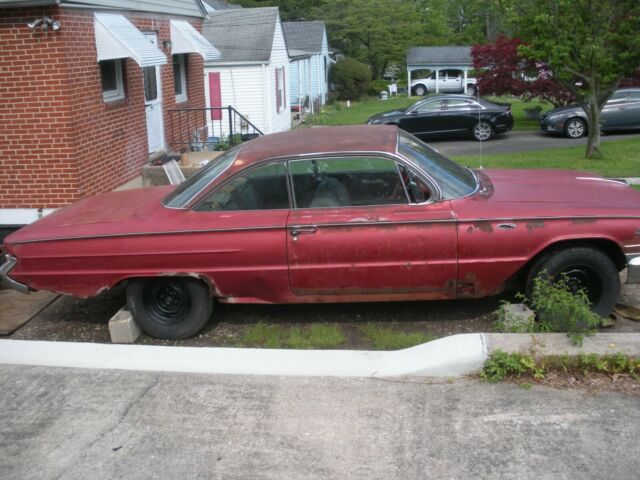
449,81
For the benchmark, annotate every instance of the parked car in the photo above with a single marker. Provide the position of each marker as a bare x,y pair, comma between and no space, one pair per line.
450,115
449,81
346,214
621,112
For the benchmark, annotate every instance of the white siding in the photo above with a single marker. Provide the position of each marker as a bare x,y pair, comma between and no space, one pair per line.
319,83
280,121
241,87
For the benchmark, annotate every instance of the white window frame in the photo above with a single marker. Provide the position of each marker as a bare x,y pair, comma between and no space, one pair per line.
181,57
117,93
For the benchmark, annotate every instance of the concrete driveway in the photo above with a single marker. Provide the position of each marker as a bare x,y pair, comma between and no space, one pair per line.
80,424
515,141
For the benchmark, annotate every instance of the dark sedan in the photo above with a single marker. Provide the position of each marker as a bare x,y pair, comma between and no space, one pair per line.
621,112
450,115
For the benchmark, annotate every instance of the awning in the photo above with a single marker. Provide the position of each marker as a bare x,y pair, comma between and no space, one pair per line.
186,39
116,37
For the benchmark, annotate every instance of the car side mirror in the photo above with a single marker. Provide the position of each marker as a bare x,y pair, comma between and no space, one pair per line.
413,113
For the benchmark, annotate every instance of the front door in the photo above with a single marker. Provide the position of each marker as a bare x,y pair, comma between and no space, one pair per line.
153,102
354,234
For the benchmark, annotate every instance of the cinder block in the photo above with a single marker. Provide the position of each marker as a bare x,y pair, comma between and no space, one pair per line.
516,317
122,327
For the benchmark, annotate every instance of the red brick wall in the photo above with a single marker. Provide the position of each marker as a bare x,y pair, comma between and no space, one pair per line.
59,140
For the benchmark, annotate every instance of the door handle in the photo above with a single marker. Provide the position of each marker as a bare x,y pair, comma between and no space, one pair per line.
507,226
295,231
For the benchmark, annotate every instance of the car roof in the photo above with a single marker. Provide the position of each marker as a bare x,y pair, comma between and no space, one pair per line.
321,140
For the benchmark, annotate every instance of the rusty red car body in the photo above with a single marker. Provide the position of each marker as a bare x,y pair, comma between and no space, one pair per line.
441,248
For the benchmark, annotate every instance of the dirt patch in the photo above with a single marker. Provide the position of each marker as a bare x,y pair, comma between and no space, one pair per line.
75,320
592,382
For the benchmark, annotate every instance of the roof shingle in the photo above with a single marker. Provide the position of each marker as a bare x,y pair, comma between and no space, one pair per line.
305,36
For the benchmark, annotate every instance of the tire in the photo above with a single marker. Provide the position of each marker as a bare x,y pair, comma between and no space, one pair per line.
420,90
472,90
575,128
169,308
482,131
586,268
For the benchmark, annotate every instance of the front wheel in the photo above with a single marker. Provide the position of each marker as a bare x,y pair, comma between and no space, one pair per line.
420,90
482,131
169,308
575,128
585,268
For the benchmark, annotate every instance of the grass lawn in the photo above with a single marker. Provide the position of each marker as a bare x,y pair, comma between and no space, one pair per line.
338,113
637,187
620,159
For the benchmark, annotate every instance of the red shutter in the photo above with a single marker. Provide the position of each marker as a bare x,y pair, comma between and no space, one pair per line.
284,88
277,91
215,95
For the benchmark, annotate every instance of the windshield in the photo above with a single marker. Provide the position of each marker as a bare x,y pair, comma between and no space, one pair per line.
188,189
454,180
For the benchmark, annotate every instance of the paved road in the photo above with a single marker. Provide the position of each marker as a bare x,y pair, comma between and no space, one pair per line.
79,424
515,141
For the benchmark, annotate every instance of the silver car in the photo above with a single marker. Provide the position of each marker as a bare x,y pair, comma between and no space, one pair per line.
621,112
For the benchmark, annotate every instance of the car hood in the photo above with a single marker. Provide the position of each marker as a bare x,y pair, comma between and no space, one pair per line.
107,214
569,109
549,193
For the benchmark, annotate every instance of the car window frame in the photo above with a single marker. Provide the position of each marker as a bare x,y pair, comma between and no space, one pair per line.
417,110
203,195
395,157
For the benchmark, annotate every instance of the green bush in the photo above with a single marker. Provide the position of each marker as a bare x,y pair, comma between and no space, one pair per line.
351,79
377,86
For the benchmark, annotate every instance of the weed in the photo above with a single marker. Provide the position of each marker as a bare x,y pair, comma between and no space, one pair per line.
263,335
317,336
386,338
502,364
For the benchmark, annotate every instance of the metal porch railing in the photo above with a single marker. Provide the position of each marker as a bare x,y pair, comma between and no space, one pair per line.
211,128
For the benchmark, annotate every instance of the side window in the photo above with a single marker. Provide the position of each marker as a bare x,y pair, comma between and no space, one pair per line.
111,76
429,106
260,188
344,182
617,99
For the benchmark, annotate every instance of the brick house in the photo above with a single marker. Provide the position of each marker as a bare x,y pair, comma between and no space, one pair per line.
85,89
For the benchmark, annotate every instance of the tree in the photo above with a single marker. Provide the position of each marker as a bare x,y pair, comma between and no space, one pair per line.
503,70
589,45
376,32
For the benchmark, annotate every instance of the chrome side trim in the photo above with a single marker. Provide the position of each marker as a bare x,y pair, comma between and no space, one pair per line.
633,268
4,275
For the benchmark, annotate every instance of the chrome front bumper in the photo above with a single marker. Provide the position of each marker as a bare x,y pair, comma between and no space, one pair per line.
633,268
4,275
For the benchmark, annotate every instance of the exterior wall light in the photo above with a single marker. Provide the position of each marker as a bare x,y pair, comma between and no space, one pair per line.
44,23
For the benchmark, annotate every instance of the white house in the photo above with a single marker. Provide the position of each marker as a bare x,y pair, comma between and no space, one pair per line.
251,74
308,76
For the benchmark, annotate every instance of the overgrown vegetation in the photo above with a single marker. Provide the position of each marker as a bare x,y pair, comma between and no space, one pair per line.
316,336
558,309
502,365
388,338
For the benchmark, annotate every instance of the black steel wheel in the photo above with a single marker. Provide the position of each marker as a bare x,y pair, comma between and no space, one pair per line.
575,128
585,268
169,307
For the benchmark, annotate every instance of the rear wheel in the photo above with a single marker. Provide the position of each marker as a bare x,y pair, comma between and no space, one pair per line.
585,268
472,90
169,307
575,128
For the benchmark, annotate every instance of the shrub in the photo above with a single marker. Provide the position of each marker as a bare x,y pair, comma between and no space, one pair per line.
351,79
377,86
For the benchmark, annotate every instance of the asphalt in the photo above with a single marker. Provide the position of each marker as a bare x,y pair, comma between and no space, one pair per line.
515,141
60,423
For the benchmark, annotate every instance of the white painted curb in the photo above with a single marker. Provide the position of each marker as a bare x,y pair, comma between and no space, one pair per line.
445,357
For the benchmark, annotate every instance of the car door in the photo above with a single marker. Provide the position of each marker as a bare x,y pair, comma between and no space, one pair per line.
238,235
353,232
633,109
423,119
456,115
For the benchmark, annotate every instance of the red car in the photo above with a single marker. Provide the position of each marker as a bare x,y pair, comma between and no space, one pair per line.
349,214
